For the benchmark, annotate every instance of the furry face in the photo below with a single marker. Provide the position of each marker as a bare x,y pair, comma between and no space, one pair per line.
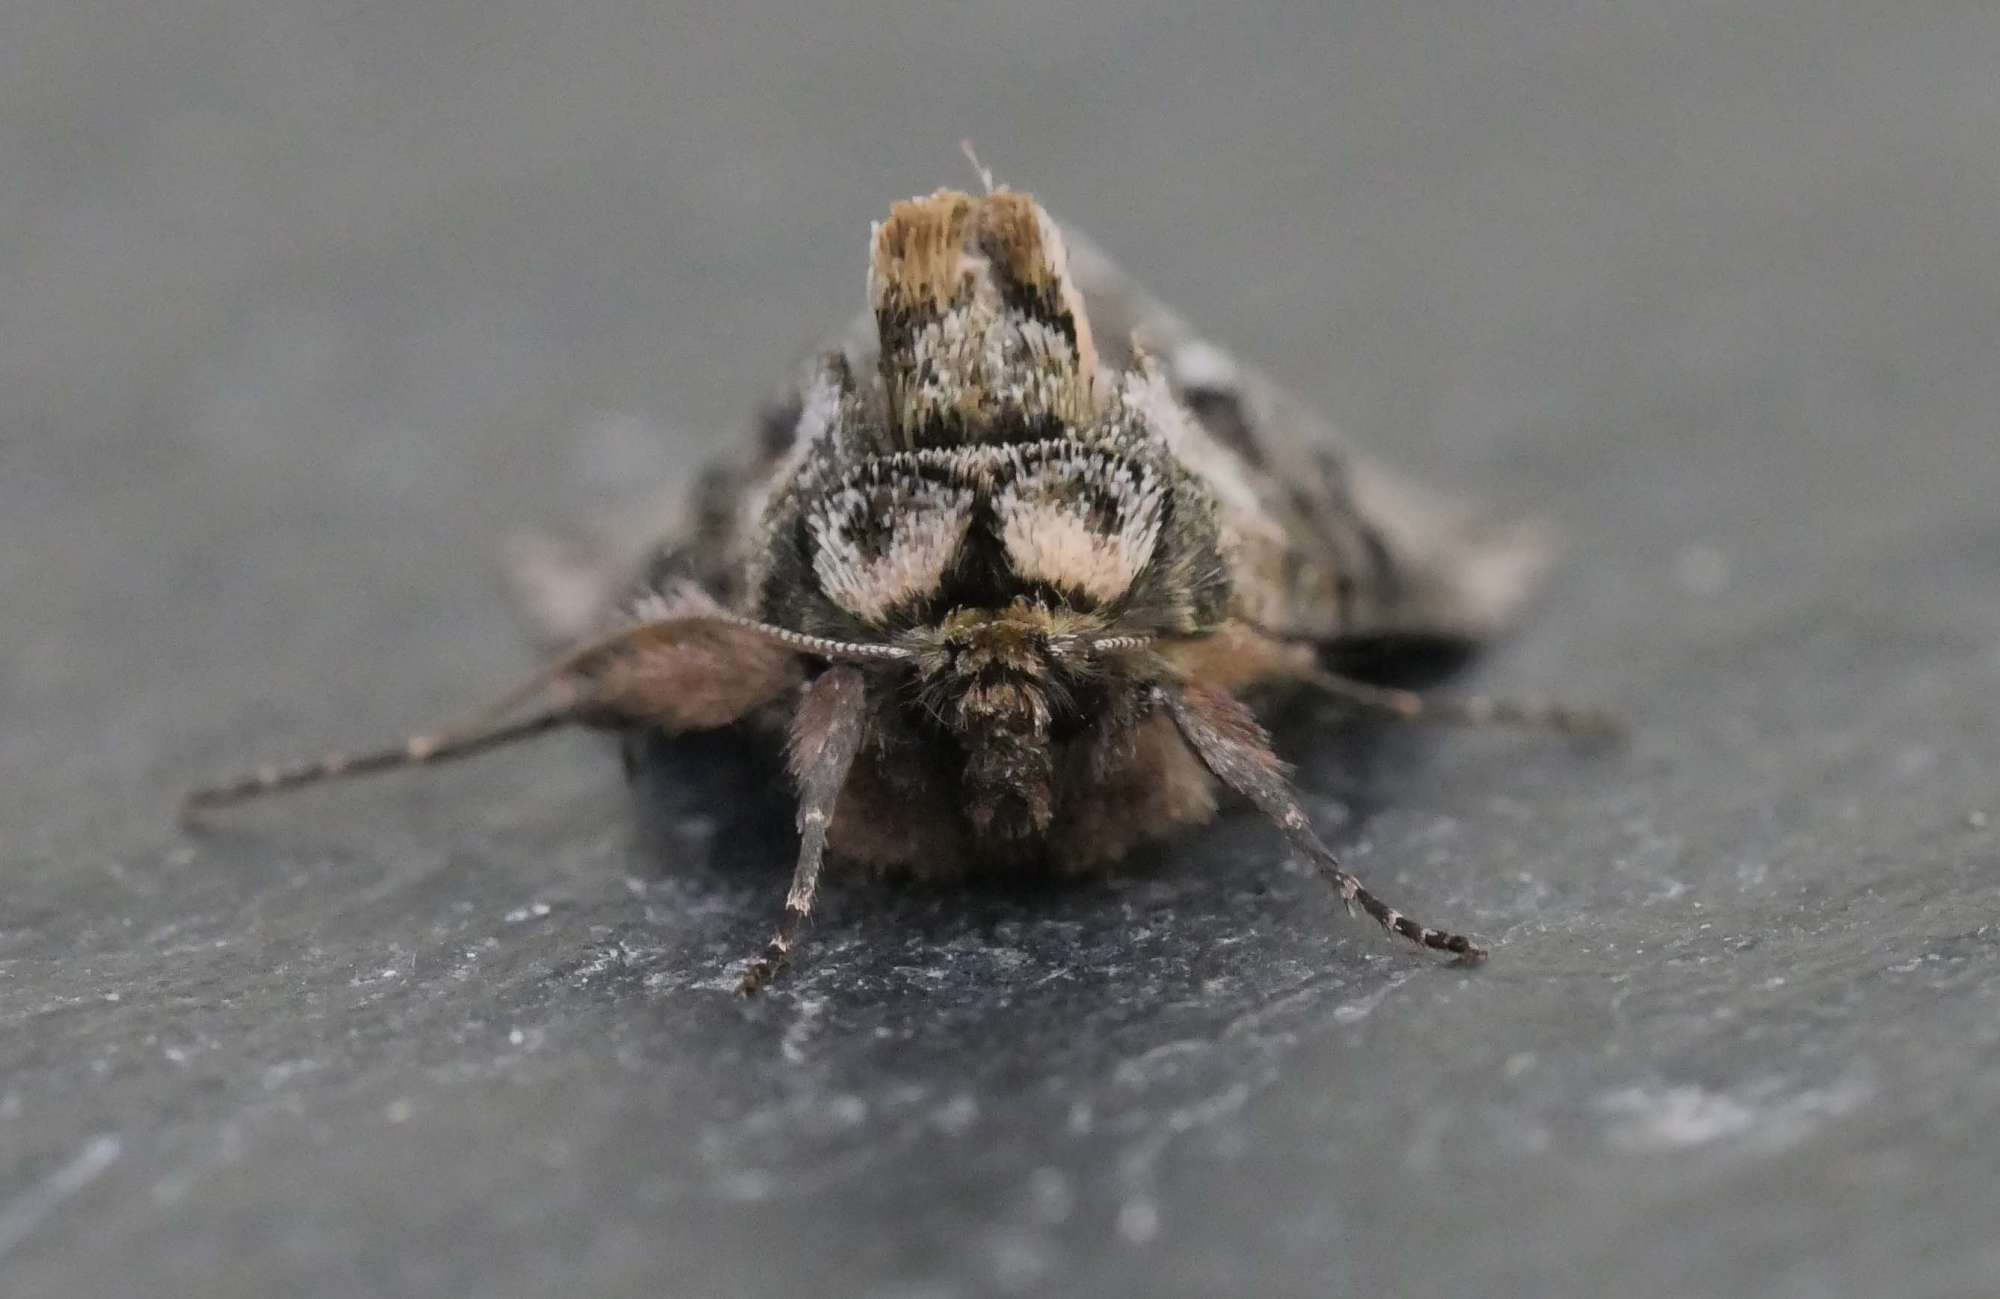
1000,588
1012,687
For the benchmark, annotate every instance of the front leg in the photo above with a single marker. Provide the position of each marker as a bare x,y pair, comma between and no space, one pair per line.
826,735
1228,739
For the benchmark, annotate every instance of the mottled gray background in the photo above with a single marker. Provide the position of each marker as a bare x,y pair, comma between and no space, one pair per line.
303,306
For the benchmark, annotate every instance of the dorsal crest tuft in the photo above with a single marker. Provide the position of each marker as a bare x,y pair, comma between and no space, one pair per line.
983,336
918,253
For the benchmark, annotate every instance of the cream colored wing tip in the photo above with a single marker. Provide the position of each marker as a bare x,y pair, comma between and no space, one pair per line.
1503,566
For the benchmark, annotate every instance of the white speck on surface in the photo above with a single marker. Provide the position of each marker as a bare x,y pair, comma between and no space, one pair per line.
801,1031
516,1037
1021,1261
1050,1199
1673,1118
398,1111
746,1186
1138,1222
1355,1011
1976,819
1761,1116
277,1075
20,1218
956,1116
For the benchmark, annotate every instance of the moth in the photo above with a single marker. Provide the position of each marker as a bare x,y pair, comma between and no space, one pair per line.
1002,568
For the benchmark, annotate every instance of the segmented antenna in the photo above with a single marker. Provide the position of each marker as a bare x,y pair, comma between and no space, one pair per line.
417,751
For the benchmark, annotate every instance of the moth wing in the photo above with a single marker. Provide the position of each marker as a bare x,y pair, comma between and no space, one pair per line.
1326,545
572,586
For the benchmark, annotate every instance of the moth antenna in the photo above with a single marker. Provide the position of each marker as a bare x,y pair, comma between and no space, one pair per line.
1470,710
1113,644
825,647
984,172
417,751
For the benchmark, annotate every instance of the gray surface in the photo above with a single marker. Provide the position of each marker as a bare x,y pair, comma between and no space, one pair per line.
302,306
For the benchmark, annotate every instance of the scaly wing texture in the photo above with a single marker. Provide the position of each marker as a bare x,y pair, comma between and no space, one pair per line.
1329,546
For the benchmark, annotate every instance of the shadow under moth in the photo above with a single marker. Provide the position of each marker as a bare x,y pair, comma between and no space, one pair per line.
998,570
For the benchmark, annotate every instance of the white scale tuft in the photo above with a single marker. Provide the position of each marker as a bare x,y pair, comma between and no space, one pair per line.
1085,521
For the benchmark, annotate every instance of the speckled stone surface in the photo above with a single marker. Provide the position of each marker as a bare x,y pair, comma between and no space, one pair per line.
303,307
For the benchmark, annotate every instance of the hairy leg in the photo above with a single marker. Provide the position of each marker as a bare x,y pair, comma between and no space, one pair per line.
690,672
826,735
418,750
1228,739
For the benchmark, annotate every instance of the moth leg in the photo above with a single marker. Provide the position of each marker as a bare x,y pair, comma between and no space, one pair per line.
418,750
685,673
826,735
1229,741
1468,710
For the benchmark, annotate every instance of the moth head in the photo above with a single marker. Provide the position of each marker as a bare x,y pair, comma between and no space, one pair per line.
986,453
1010,684
1029,640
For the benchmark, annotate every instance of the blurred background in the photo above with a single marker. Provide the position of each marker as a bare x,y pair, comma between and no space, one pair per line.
305,306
